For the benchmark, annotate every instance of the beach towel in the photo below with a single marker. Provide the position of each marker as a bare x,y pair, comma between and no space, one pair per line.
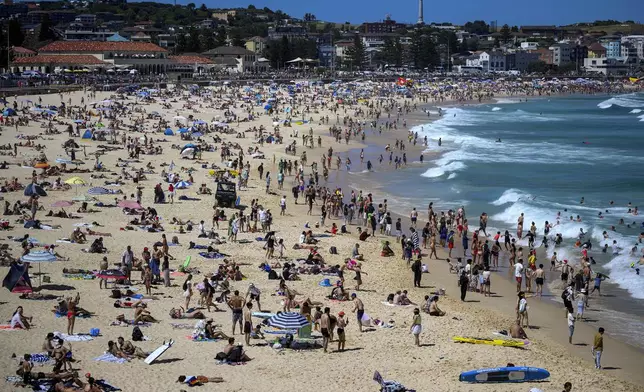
201,339
64,241
41,359
83,224
244,241
61,315
181,326
226,362
79,276
388,304
183,197
73,338
107,357
279,331
200,247
128,323
107,387
7,327
213,255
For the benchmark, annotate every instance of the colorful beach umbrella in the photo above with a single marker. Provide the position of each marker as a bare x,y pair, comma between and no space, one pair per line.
111,274
288,320
34,189
75,181
182,185
62,203
98,190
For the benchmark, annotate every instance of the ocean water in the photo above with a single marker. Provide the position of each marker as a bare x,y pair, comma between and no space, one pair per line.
552,153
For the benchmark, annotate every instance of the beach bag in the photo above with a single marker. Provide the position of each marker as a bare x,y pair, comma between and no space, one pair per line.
220,356
272,275
333,250
235,354
137,335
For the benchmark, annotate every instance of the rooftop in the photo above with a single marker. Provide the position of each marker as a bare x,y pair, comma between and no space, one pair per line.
190,59
21,50
229,51
85,59
82,46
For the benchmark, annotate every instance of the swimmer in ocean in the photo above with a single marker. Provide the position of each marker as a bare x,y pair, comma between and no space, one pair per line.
582,200
498,140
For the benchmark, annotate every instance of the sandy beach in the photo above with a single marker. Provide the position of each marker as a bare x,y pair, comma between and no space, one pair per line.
435,365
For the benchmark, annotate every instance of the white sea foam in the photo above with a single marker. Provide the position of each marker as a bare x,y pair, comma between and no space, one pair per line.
634,111
506,101
624,276
451,176
496,109
510,196
624,100
443,169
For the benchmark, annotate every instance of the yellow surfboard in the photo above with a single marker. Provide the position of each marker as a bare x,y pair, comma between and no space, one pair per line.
491,342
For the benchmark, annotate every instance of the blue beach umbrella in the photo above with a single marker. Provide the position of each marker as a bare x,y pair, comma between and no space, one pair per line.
189,145
182,185
34,189
183,130
168,132
288,320
197,134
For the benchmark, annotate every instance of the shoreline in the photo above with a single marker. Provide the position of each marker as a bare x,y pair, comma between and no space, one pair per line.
552,288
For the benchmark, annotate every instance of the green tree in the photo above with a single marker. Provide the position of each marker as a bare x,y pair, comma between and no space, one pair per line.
537,67
194,41
392,52
203,8
4,50
46,33
309,17
472,44
16,37
356,54
182,42
207,40
506,34
514,29
478,27
222,35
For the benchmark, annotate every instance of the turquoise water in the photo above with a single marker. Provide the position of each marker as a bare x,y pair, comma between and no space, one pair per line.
552,153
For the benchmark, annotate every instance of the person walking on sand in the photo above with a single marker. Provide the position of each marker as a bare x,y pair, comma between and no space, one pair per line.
417,269
187,291
325,323
598,347
236,304
342,323
464,282
358,278
102,267
540,278
571,326
522,310
416,327
248,322
518,273
358,309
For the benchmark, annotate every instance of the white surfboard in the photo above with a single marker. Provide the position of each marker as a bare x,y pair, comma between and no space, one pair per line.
158,352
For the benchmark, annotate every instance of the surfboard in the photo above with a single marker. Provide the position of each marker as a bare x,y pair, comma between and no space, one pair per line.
158,352
505,374
263,315
491,342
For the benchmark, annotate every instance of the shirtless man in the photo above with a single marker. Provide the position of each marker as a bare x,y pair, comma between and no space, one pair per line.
131,350
553,261
325,323
358,309
248,322
540,277
520,226
517,332
236,304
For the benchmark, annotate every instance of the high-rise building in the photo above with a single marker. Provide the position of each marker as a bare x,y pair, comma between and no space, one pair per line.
420,12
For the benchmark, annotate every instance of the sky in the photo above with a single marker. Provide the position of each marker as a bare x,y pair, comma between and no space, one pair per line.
512,12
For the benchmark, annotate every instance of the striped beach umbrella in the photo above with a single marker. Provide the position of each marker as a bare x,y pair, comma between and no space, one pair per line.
98,190
38,257
288,320
182,185
34,189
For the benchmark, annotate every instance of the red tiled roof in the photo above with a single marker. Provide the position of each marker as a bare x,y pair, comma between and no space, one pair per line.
597,47
20,49
59,59
86,46
190,60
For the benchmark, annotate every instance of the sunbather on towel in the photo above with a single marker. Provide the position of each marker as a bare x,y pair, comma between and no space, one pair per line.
199,380
181,314
131,350
143,315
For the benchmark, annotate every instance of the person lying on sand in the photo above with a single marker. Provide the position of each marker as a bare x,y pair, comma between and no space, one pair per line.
141,314
199,380
113,349
181,314
131,350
